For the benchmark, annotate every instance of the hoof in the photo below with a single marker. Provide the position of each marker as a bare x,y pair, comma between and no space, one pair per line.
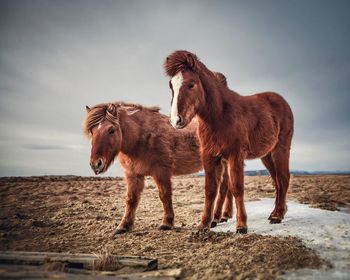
242,230
202,226
213,224
275,220
165,227
270,217
120,231
223,220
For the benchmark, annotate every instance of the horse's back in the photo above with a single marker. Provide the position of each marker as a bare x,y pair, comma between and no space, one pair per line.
274,103
269,120
161,148
281,112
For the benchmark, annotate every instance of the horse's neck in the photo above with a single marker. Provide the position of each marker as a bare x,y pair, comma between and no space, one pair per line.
130,133
216,99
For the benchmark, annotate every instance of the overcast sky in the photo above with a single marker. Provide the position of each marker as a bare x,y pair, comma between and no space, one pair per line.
58,56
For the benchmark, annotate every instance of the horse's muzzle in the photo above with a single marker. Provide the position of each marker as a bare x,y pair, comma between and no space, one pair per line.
97,166
179,124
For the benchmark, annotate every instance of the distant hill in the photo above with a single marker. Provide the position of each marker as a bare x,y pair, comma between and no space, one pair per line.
264,172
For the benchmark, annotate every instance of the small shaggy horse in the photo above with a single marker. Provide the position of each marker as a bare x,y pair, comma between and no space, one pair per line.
231,127
146,144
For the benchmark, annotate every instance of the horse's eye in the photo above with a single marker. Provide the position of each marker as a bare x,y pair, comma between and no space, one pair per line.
190,86
111,131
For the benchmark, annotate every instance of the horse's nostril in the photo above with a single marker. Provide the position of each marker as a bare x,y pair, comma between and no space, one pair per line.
179,120
99,164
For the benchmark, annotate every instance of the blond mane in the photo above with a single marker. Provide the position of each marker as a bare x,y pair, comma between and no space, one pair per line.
110,112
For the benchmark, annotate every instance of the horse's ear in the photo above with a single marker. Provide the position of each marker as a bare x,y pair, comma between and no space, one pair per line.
88,109
221,78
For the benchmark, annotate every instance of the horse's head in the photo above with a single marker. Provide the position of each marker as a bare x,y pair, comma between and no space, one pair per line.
186,88
102,126
188,94
187,97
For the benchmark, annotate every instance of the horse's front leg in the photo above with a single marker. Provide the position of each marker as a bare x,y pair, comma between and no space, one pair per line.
236,175
213,173
135,185
221,197
163,182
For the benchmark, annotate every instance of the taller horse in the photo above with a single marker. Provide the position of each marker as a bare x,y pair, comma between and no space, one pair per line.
231,127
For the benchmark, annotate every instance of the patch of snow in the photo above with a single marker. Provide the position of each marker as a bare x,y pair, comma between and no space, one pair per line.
327,232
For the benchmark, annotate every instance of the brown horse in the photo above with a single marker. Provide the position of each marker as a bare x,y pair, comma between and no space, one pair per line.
231,127
146,144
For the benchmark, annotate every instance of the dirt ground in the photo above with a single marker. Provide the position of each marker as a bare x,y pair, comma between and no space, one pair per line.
80,214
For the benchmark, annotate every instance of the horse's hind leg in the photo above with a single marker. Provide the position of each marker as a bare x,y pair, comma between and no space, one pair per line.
223,192
135,185
228,207
280,157
165,194
268,162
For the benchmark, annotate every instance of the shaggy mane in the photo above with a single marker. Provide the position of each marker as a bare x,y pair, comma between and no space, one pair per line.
110,111
180,61
128,106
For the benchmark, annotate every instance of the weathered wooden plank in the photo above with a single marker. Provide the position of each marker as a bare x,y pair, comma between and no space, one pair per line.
9,271
80,261
166,274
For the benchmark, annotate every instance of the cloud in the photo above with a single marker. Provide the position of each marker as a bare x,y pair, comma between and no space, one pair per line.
58,56
43,147
52,147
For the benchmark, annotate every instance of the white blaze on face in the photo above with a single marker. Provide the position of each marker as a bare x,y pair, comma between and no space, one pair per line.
176,83
99,126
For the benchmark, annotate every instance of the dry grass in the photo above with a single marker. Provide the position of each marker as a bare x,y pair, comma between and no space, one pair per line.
79,215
